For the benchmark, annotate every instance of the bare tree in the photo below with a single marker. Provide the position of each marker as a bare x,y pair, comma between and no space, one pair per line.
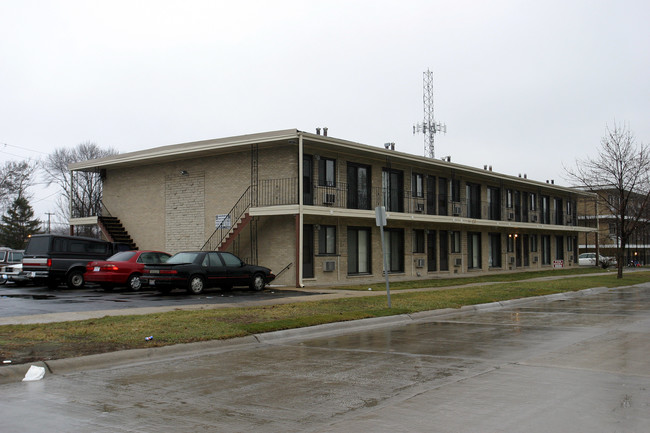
15,178
81,196
619,174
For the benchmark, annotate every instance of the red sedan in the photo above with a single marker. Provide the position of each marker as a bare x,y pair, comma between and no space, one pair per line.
123,268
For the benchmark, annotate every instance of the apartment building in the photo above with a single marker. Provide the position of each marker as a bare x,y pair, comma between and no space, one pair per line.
304,204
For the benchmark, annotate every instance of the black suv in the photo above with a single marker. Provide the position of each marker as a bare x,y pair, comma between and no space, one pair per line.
53,259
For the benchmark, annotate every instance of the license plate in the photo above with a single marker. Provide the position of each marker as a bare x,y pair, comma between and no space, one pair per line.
154,271
32,274
96,269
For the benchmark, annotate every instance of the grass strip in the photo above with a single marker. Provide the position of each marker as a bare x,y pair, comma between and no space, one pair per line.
29,343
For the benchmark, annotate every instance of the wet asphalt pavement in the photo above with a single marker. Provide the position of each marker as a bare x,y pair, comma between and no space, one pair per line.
574,363
30,300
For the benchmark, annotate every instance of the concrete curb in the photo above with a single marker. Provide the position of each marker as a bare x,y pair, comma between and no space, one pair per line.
15,373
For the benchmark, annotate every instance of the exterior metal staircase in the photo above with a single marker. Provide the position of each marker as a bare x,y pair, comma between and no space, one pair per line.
114,231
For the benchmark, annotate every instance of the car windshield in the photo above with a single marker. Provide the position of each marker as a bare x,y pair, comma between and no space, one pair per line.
121,257
182,258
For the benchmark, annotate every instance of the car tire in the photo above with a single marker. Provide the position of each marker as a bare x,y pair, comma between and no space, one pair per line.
257,282
134,282
75,280
195,285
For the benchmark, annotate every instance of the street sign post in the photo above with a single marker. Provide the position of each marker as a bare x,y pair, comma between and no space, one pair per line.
380,215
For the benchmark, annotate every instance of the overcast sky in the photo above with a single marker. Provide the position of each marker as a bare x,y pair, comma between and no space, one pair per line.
524,86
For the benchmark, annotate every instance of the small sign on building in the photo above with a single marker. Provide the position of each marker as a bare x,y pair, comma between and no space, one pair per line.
223,222
558,264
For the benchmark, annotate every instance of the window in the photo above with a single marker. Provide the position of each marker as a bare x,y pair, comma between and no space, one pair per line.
559,247
455,190
559,219
545,209
327,240
444,250
474,250
394,239
473,197
431,250
230,260
393,190
417,185
418,241
533,243
509,199
326,172
546,250
494,253
358,250
511,243
494,203
431,195
569,243
442,196
358,186
455,242
533,201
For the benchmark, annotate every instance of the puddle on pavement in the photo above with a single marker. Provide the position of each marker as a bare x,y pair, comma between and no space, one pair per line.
35,297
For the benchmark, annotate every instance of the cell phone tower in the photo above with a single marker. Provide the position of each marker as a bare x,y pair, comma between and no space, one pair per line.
429,127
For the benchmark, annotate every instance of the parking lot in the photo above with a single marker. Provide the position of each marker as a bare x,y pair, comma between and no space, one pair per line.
30,300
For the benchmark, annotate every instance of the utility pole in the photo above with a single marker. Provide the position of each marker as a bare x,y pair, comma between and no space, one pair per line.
49,214
428,127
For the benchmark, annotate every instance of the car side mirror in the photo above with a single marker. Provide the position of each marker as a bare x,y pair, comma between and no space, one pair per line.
242,263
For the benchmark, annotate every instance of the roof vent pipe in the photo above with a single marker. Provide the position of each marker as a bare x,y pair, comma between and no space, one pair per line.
317,131
552,181
325,131
525,176
490,168
485,167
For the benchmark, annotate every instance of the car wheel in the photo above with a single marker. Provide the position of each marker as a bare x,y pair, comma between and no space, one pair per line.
195,285
75,280
257,283
134,282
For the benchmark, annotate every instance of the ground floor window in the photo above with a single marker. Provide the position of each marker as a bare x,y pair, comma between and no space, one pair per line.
473,250
431,250
418,241
358,250
455,242
494,252
327,240
546,249
394,239
444,250
559,247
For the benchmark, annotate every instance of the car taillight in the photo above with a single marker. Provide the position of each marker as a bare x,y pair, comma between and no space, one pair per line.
49,263
110,268
169,271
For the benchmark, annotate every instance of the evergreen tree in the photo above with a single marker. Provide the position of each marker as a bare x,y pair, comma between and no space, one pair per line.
18,223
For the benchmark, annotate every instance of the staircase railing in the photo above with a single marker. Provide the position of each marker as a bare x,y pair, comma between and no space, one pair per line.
229,221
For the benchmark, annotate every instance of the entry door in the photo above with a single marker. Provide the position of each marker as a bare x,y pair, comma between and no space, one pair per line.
307,180
518,250
444,250
308,251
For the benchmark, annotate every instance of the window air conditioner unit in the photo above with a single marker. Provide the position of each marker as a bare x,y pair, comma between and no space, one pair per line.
329,266
456,210
512,259
533,218
419,263
458,262
511,216
419,207
329,198
535,259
